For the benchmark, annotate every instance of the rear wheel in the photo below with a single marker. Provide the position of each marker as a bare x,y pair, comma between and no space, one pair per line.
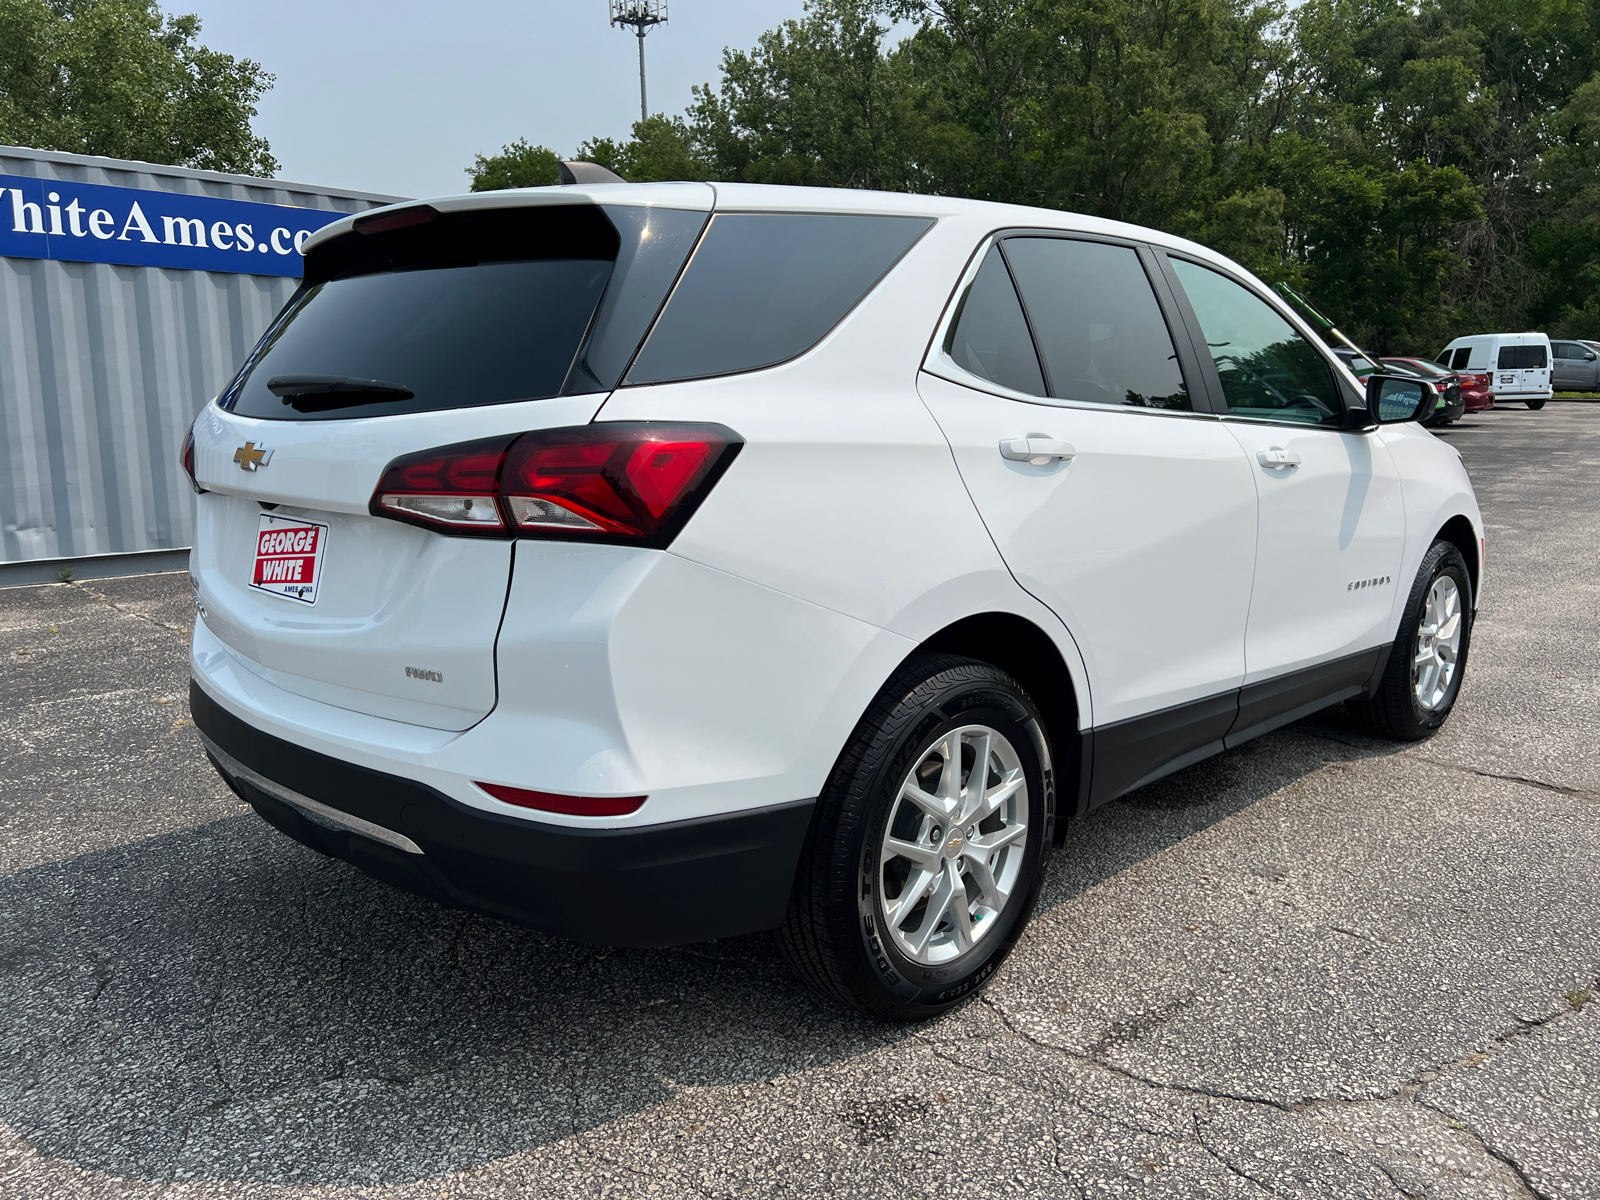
926,853
1429,657
1535,404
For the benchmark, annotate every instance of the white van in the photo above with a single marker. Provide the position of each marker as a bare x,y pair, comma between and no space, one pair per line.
1519,363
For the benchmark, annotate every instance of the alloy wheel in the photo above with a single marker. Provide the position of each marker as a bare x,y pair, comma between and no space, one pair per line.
953,844
1433,668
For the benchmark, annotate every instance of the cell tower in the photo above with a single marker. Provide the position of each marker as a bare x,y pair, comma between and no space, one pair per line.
643,15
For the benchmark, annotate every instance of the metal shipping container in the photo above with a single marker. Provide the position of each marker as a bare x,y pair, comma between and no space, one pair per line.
103,364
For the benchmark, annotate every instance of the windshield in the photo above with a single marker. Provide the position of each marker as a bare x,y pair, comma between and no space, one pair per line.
1415,367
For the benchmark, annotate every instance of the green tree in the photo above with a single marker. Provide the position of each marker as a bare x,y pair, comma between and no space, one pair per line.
661,149
517,165
116,77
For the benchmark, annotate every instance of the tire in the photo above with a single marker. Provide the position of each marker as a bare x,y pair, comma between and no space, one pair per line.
1399,709
1536,405
837,934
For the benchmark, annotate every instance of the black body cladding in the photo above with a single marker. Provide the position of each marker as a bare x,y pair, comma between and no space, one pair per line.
721,876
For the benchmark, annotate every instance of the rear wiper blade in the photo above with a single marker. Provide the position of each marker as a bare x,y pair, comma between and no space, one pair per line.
289,386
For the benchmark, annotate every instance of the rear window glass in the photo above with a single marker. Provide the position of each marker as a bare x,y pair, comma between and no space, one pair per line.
466,309
449,337
989,336
1100,332
1522,358
765,287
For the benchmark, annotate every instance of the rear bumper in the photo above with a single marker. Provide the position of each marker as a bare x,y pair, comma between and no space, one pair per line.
654,885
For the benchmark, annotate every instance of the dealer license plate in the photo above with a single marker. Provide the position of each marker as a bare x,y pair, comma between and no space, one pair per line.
289,557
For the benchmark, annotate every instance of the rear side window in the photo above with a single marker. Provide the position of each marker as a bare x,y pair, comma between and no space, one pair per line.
1522,358
466,308
989,337
763,288
1101,335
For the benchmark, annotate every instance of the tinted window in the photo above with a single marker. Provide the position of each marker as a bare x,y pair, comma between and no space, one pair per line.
1522,358
989,336
1565,350
453,337
1463,357
765,287
475,307
1268,369
1100,332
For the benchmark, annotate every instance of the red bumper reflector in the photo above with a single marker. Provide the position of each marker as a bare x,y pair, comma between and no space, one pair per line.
572,806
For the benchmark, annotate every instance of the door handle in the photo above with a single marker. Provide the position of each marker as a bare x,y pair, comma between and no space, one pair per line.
1035,450
1277,459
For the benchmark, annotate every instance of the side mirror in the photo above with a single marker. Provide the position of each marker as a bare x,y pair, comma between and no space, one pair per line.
1394,399
1590,356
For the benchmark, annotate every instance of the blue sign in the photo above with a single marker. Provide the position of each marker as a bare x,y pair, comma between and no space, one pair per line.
83,222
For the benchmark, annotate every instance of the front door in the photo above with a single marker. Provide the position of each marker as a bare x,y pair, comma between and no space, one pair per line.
1332,520
1111,500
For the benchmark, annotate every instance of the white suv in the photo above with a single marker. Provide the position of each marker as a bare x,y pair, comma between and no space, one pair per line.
657,563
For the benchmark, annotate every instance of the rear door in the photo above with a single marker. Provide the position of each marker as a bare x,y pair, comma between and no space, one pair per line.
1111,499
1522,367
444,329
1332,520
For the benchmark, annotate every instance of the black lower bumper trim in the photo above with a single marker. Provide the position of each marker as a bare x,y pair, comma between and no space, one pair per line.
660,885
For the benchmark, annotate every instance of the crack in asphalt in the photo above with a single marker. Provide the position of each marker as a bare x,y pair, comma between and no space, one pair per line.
1200,1140
127,612
1560,789
1409,1094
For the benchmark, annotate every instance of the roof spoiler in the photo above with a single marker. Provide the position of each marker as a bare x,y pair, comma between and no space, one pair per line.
586,172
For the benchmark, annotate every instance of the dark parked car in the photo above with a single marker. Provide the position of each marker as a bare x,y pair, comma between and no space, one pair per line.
1447,384
1360,365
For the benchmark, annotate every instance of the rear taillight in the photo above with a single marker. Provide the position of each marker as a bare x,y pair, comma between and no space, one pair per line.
186,457
616,481
572,806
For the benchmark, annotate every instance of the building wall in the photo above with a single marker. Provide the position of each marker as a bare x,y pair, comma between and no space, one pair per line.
103,367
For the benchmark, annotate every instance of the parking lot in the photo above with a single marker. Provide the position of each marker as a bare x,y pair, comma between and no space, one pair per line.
1318,966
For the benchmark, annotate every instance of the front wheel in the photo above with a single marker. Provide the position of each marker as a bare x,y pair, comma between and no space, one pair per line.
927,849
1429,657
1536,405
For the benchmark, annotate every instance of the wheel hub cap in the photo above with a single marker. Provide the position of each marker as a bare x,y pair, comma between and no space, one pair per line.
953,844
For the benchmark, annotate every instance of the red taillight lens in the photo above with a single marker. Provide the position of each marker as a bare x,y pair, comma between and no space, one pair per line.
449,488
573,806
617,481
186,457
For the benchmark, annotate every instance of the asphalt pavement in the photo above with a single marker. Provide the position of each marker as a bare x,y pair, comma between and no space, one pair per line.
1319,966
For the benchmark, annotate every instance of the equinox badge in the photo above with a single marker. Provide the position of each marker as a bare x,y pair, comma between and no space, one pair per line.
251,456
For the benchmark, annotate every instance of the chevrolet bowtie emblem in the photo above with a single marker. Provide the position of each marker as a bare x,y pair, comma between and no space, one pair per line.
251,456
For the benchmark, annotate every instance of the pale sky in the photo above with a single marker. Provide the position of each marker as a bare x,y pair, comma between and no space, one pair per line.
397,98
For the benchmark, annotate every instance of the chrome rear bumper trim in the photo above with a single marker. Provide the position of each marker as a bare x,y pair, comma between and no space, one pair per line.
312,810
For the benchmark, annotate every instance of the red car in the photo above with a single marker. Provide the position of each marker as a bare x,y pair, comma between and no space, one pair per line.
1475,393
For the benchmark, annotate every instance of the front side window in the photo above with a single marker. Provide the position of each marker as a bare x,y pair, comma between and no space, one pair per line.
763,288
989,337
1463,357
1100,332
1269,371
